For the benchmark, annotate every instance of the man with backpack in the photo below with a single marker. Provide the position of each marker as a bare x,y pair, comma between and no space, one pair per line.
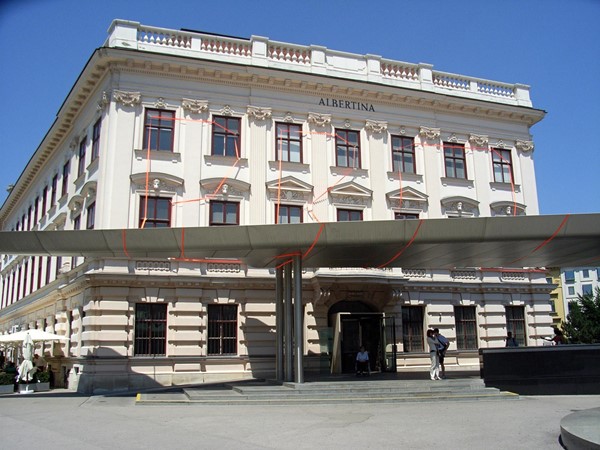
444,343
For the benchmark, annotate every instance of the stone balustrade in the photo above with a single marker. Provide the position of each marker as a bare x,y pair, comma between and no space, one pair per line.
260,51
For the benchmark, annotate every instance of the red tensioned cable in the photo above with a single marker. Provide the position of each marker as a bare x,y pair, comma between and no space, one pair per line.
124,241
314,241
209,260
547,241
397,255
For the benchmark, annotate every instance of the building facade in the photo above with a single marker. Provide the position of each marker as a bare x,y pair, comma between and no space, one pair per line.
577,281
167,128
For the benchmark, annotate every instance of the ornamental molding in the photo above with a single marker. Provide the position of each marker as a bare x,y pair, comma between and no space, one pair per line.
194,106
160,103
452,138
524,146
461,206
479,139
258,113
376,127
505,208
430,133
288,117
288,195
319,120
127,98
227,111
502,145
104,100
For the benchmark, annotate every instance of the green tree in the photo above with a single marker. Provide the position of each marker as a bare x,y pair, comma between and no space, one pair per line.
583,321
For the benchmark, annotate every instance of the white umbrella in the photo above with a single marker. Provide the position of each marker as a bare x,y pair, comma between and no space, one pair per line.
26,369
34,334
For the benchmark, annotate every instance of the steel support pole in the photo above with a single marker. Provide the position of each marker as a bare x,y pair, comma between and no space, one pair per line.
298,320
288,324
279,324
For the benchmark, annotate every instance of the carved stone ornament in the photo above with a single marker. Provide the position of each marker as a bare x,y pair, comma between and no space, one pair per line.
160,103
376,127
347,123
194,106
288,195
430,133
479,139
227,111
288,117
127,98
452,138
258,113
319,120
349,199
103,101
524,146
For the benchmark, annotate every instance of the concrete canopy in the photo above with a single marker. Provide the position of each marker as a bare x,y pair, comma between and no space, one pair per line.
525,241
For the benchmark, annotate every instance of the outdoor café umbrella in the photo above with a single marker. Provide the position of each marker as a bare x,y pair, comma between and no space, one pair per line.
26,369
34,334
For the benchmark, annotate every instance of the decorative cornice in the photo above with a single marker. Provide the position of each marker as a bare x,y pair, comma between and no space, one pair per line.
127,98
319,120
194,106
258,113
430,133
524,146
376,127
479,139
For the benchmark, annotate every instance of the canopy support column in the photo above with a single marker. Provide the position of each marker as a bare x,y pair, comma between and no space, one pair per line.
288,324
298,319
279,324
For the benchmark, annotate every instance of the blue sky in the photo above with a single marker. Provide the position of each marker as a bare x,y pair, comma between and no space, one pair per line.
551,45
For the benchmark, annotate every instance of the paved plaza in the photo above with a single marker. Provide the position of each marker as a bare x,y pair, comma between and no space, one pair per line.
65,420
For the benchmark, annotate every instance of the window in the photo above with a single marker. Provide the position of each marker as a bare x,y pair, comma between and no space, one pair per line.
44,200
288,214
502,164
224,213
403,216
65,178
585,274
412,328
226,136
77,222
54,189
90,217
454,160
158,130
586,289
155,212
81,162
96,140
403,154
222,329
569,276
150,329
48,268
515,322
349,215
571,290
347,149
466,327
36,210
29,218
289,142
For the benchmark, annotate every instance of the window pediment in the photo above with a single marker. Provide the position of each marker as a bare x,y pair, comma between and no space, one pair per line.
350,193
289,188
460,206
218,188
506,208
407,198
157,181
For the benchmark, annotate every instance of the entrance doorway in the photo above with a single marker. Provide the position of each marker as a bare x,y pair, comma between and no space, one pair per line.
361,326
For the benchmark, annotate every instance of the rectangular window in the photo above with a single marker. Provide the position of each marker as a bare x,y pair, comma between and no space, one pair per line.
96,140
81,162
288,214
90,217
159,126
226,136
150,329
454,160
405,216
403,154
77,222
36,210
65,178
48,268
502,164
349,215
222,329
155,212
569,276
29,218
39,272
412,328
44,200
586,289
289,142
224,213
466,327
571,290
54,190
347,148
515,322
31,275
585,274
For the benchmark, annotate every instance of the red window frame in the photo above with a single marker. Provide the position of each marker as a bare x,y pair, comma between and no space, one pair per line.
284,211
226,136
502,165
159,130
96,139
349,215
150,209
65,178
90,217
81,155
454,158
403,154
347,154
226,208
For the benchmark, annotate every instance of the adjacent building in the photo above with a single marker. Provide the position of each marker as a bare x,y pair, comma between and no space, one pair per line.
167,128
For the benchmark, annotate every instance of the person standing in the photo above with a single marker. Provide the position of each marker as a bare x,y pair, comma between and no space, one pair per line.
444,343
362,362
432,342
510,340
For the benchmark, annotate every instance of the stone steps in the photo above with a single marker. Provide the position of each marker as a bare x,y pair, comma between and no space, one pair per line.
364,390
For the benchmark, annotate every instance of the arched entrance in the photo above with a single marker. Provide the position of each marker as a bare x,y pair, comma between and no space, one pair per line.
355,323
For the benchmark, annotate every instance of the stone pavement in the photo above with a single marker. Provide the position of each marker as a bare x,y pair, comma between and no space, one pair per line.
63,420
